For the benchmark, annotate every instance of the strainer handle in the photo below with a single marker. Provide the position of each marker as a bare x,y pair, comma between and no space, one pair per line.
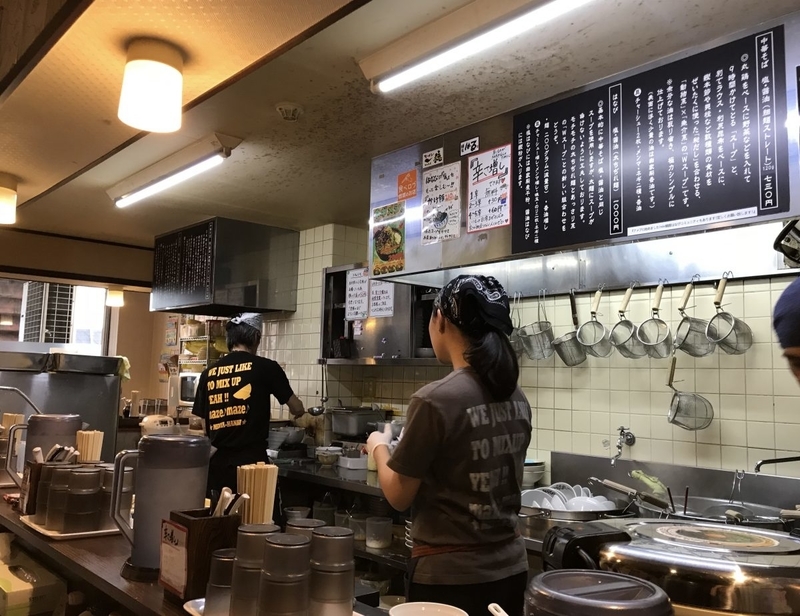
574,308
672,371
596,301
687,293
723,282
657,298
626,299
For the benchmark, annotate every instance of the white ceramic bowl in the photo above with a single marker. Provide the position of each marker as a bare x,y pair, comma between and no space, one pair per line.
419,608
583,504
565,488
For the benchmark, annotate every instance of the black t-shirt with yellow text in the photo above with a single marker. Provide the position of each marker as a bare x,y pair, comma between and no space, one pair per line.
233,397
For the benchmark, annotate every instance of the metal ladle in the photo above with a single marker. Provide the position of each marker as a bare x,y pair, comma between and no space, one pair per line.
316,411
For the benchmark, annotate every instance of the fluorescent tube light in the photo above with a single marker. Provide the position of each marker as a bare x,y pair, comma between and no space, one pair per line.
115,298
170,181
6,320
482,42
8,199
173,170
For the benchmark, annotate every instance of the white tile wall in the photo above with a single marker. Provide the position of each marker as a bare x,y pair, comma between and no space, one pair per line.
755,398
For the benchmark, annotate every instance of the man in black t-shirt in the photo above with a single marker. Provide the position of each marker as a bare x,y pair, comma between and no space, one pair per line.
233,397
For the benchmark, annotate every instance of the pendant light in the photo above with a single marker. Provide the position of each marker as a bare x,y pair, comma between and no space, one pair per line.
115,298
8,199
152,87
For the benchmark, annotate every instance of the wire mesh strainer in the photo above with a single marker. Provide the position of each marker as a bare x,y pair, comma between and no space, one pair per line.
687,410
691,336
515,338
623,334
593,335
654,333
729,333
537,337
567,346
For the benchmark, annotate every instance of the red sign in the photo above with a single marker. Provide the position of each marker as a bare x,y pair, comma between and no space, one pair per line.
407,185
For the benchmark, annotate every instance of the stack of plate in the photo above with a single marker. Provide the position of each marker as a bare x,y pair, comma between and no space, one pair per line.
564,497
534,471
409,543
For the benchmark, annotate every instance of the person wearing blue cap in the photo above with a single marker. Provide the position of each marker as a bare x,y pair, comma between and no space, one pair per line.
233,397
786,321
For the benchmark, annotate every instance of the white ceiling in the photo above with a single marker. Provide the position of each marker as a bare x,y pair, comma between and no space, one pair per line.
316,170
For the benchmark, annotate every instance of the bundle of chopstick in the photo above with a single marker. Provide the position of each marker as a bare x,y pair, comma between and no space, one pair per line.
89,443
9,419
259,481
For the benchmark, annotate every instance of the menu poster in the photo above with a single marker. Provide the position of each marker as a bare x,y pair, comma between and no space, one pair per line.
441,204
407,185
691,143
389,238
357,295
489,187
381,299
183,264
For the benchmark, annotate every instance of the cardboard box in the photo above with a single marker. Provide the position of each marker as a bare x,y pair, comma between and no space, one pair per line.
27,588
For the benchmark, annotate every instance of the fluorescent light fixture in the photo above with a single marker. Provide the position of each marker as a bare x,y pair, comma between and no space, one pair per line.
477,44
793,121
174,169
6,320
152,87
115,298
8,199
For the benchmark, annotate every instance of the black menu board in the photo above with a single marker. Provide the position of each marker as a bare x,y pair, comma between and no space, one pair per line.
183,267
695,142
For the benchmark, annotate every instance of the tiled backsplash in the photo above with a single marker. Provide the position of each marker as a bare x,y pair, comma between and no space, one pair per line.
755,398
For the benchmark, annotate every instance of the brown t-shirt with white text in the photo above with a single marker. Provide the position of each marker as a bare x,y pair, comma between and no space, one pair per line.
469,451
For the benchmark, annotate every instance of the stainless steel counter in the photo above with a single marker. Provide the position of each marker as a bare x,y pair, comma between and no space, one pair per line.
362,482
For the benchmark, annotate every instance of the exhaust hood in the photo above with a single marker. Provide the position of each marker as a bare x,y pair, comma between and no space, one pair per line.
221,267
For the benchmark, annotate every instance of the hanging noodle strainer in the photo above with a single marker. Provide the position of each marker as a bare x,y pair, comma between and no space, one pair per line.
593,335
654,333
686,410
537,337
729,333
691,336
515,338
623,334
567,346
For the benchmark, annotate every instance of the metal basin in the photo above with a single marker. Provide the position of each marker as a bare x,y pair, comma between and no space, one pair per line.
705,509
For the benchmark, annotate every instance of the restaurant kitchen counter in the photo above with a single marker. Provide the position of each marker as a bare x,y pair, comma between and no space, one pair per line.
97,562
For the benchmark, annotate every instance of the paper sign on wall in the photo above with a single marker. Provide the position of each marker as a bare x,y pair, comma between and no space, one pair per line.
381,299
357,295
388,238
172,574
470,145
441,204
407,185
434,157
489,186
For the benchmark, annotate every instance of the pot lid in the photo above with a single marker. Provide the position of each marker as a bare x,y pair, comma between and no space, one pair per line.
711,566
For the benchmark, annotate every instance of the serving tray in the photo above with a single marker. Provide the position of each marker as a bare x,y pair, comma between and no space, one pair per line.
57,536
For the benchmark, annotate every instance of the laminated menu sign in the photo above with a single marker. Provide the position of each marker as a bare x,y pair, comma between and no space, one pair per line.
381,299
692,143
172,574
441,204
357,296
488,185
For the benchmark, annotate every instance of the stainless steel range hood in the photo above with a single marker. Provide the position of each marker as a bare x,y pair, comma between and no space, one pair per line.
222,266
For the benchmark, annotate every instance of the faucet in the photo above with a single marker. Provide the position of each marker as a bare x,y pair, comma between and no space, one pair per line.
761,463
625,437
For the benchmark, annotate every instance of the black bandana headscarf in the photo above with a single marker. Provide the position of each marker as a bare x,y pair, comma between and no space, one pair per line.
475,304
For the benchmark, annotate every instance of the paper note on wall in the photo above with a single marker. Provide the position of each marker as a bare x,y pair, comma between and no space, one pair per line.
441,204
381,299
489,187
357,295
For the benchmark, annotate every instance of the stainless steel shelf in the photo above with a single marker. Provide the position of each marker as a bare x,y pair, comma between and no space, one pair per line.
371,361
396,555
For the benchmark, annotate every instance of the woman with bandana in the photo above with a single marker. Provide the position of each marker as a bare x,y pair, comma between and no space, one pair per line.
233,397
461,458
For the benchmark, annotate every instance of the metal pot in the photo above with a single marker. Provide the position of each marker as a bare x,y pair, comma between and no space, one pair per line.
749,514
535,522
352,421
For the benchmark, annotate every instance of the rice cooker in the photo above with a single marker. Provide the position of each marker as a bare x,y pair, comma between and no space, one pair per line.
704,568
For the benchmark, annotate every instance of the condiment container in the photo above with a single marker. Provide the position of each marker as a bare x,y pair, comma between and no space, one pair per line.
324,512
332,572
303,526
379,532
285,573
43,490
294,513
57,498
218,591
358,524
126,499
82,509
247,567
